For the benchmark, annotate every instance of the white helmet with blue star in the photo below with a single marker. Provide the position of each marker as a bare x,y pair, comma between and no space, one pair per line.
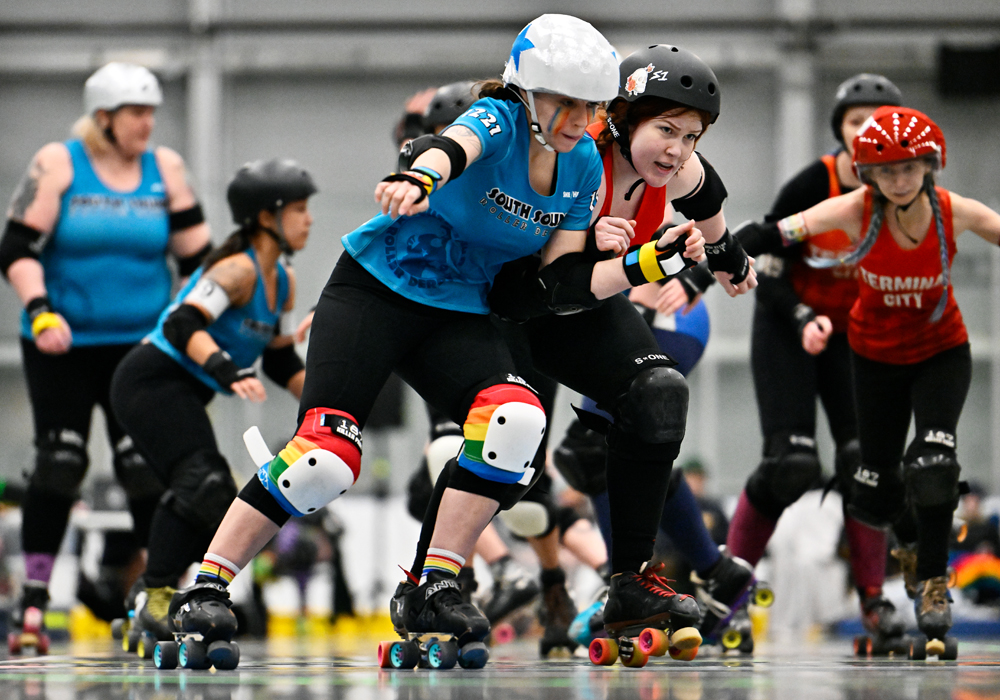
563,55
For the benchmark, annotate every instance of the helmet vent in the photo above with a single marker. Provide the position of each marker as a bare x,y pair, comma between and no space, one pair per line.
686,81
711,88
879,147
674,49
904,143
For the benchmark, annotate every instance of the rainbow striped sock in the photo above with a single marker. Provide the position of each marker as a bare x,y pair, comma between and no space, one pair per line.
442,560
216,569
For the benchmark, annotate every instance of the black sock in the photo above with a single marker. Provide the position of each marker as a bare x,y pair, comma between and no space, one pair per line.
933,531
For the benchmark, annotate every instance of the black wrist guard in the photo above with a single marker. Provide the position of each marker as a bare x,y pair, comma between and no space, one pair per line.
727,255
696,281
425,183
220,367
803,316
38,306
757,239
650,263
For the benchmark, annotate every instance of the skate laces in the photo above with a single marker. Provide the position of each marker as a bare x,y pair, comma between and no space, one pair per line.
651,581
158,601
935,592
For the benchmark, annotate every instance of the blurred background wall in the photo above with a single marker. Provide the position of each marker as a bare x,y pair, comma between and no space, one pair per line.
324,81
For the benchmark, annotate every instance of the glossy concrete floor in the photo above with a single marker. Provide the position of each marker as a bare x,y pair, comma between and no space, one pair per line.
345,670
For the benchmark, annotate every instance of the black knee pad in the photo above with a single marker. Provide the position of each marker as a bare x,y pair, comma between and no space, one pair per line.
932,470
654,408
877,495
201,489
581,458
418,491
789,469
60,465
135,475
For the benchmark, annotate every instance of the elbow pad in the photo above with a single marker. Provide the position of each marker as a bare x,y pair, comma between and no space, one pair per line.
456,154
707,201
19,241
186,218
187,265
565,284
181,324
281,364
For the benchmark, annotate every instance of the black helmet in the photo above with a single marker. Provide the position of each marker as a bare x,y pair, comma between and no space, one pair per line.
862,89
448,104
267,185
669,72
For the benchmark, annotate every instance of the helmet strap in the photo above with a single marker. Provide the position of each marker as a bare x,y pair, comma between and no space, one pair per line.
632,189
619,132
536,128
279,234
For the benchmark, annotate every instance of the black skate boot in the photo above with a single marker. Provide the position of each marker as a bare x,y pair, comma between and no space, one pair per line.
886,629
438,628
556,614
726,589
203,627
150,621
28,620
125,628
467,583
933,608
513,588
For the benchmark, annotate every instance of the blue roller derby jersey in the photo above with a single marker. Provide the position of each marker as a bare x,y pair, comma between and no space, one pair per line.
243,332
106,261
448,255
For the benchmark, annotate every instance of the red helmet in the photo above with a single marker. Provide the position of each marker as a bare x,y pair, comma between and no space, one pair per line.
892,134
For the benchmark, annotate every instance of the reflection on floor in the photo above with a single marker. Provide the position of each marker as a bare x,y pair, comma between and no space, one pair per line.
345,670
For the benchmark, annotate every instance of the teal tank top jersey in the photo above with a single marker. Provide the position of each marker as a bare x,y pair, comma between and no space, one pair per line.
243,332
448,256
106,261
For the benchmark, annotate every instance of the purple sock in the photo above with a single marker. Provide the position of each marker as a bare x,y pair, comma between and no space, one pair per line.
749,531
38,566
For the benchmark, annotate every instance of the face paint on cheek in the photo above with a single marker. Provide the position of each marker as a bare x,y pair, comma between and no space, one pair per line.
558,120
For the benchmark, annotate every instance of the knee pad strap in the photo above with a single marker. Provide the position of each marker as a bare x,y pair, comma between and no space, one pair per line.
503,430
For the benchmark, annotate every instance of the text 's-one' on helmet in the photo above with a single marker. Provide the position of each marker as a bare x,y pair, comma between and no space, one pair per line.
893,134
448,104
672,73
862,89
563,55
267,185
117,84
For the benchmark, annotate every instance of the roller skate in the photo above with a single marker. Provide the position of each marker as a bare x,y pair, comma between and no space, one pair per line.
123,628
29,620
641,610
588,625
203,627
150,623
513,588
438,629
467,583
886,631
728,589
556,613
933,607
906,557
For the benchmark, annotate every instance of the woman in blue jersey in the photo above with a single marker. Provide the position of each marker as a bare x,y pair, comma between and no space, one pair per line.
85,248
207,341
410,295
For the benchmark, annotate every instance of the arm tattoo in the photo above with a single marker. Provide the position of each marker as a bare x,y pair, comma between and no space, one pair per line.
26,192
238,280
467,138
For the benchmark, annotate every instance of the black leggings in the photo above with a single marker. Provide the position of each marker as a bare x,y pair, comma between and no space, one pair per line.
64,390
933,392
787,381
162,406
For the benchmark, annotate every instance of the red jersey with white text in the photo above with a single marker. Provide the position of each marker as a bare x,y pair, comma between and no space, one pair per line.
651,207
830,291
899,290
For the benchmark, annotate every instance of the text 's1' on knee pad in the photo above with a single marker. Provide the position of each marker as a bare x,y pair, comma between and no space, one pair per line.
317,466
503,430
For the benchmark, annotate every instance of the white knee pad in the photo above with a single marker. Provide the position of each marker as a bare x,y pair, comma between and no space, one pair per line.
526,519
513,435
440,451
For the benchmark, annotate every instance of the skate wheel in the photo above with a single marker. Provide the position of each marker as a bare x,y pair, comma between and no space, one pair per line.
764,597
473,655
165,655
42,644
33,619
862,646
731,639
119,626
225,656
950,652
935,647
686,638
603,652
384,658
193,655
746,646
918,648
404,655
504,633
130,642
683,654
654,642
14,643
632,656
442,655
